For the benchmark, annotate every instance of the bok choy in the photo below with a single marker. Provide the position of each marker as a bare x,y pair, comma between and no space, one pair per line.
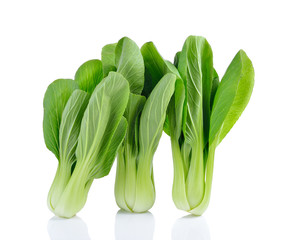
210,110
84,129
134,186
120,105
202,111
145,114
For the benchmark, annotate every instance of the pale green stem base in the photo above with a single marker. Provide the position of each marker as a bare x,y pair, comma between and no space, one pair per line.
179,193
75,193
60,181
195,179
134,186
201,208
192,193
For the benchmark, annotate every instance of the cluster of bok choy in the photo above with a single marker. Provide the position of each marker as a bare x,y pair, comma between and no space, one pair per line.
119,106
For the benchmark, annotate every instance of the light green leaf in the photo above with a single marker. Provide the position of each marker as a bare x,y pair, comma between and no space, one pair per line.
154,114
196,68
109,155
134,107
129,62
55,99
232,96
70,125
100,121
108,58
88,75
172,69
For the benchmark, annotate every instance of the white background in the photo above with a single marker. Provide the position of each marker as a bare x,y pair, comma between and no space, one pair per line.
45,40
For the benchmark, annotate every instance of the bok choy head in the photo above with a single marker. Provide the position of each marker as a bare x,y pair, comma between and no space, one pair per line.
202,111
134,187
75,114
145,114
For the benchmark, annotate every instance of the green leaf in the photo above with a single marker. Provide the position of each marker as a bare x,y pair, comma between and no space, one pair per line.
88,75
134,107
129,62
176,110
108,59
196,68
166,127
111,151
55,99
100,121
232,96
156,67
70,125
175,118
172,69
154,114
215,85
176,59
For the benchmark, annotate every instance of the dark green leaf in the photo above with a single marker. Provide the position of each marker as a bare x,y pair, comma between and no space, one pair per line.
176,109
134,107
155,66
215,85
167,126
55,99
88,75
176,59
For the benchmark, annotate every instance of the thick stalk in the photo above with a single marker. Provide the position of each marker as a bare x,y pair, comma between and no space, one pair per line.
119,188
58,186
196,176
75,193
200,209
179,184
130,177
145,189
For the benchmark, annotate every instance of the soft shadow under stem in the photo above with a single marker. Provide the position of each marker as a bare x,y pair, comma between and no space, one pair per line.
67,229
134,226
191,227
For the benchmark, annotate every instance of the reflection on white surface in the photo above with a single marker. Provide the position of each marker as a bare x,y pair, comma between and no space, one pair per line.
191,227
134,226
67,229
